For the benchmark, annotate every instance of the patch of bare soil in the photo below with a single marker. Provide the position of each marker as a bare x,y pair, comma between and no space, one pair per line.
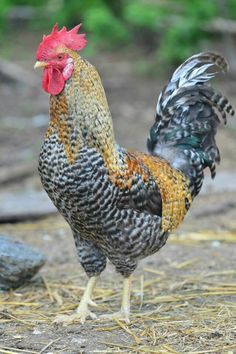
183,298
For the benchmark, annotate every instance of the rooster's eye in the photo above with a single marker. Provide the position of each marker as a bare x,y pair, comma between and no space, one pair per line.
60,56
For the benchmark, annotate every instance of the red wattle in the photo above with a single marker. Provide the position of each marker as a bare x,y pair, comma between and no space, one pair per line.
53,81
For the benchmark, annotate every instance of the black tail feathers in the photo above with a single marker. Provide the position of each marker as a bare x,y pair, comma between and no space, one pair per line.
187,117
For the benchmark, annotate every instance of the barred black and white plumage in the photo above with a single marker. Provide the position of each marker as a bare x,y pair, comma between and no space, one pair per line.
122,205
187,118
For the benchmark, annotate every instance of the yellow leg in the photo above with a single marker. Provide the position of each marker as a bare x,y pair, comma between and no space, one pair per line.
125,304
124,312
82,311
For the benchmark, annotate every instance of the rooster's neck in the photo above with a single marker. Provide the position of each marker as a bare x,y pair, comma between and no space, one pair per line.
80,115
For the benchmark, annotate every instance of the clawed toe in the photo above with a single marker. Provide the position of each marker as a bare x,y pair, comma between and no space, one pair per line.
65,320
80,316
92,303
121,315
82,312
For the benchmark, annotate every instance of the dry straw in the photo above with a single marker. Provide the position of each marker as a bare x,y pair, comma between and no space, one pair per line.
179,311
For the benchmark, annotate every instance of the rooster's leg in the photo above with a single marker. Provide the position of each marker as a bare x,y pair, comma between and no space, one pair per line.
82,311
124,312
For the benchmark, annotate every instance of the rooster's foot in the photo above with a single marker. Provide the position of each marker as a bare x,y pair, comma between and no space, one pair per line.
124,312
122,315
82,312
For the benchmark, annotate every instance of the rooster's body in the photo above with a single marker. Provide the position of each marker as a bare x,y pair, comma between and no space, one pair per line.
123,204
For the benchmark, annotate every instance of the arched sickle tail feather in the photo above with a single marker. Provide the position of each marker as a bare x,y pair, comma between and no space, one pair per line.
187,116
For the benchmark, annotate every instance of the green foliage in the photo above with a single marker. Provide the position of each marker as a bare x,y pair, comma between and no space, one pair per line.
100,17
4,6
188,29
143,16
179,26
106,28
27,2
173,29
231,9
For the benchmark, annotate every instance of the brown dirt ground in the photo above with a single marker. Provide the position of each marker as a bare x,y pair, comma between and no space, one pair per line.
183,298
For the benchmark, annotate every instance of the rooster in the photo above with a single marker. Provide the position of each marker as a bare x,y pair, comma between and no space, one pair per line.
122,205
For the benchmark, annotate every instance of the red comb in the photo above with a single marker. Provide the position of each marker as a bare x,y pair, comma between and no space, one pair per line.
71,39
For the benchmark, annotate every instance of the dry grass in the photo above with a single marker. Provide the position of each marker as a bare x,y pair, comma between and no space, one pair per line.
172,311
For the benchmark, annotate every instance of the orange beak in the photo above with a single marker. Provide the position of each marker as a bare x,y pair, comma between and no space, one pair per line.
40,64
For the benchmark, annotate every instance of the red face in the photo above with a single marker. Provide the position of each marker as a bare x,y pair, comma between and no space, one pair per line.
58,67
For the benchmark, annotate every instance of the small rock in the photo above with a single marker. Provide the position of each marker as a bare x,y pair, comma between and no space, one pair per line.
19,262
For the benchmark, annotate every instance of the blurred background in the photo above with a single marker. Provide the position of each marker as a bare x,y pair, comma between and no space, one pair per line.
135,45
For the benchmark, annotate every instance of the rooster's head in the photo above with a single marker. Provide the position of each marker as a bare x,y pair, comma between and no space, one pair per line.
56,54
